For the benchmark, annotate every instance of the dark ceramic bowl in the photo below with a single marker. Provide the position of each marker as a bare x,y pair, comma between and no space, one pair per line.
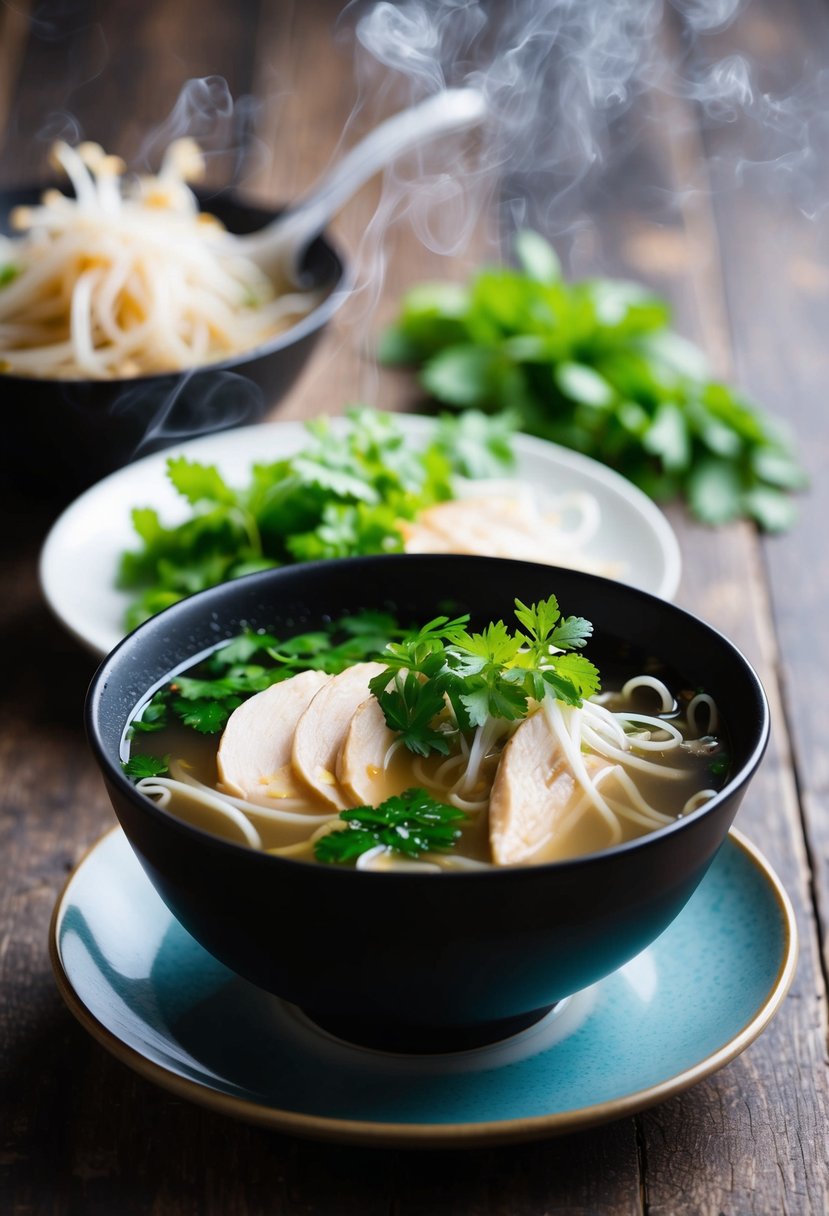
61,436
430,960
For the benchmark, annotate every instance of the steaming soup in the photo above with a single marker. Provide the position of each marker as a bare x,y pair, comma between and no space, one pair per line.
442,750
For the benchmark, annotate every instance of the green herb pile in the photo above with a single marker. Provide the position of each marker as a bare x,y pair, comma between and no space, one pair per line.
595,366
342,495
489,675
410,823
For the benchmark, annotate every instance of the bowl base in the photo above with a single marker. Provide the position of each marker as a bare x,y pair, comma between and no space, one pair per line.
383,1035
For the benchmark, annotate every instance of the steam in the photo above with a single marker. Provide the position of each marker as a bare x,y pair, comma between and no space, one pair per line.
569,85
206,111
561,78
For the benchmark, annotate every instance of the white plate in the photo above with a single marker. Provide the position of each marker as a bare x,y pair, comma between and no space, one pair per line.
80,558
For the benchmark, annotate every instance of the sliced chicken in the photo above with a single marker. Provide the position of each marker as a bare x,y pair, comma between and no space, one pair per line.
321,730
497,526
362,772
532,794
254,758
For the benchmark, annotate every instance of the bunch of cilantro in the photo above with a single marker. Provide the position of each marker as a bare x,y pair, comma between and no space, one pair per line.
496,673
594,366
343,495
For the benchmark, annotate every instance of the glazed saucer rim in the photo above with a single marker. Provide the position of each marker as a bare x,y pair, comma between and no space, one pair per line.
439,1134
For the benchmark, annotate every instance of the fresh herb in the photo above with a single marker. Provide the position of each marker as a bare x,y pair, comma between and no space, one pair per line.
140,766
342,495
720,765
8,273
492,674
594,365
254,661
410,823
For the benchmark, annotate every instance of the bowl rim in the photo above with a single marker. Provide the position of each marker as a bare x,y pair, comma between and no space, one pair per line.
112,772
341,289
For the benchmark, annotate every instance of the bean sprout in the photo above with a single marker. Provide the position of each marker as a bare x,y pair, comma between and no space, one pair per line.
129,278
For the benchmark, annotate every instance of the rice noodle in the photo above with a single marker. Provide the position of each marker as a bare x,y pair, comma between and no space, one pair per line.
666,701
572,750
161,790
129,278
277,814
697,800
702,698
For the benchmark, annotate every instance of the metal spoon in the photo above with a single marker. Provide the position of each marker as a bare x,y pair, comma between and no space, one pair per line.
281,245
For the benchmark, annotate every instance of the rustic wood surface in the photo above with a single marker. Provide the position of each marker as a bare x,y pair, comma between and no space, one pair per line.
749,279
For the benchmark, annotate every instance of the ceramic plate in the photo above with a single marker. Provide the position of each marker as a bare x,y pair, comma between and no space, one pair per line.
80,557
683,1008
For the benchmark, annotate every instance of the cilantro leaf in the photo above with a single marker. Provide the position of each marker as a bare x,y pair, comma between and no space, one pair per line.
578,672
571,634
491,674
199,482
204,699
140,765
410,708
410,823
205,716
343,494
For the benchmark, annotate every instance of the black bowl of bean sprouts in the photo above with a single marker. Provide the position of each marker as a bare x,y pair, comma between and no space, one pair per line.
456,945
105,357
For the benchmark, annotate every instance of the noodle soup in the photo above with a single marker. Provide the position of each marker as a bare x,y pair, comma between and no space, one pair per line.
417,957
457,782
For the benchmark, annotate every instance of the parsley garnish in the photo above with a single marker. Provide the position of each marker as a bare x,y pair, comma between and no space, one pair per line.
491,674
410,823
140,766
343,495
254,661
595,366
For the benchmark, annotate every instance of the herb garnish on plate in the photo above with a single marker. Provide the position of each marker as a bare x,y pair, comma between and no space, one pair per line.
343,495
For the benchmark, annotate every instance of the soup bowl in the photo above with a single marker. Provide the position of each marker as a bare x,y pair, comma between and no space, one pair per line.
61,436
426,961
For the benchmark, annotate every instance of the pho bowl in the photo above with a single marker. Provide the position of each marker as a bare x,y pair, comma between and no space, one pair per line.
425,961
62,435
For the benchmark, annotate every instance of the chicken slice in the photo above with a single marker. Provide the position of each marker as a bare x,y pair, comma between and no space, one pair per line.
498,525
321,730
362,772
493,526
254,758
532,794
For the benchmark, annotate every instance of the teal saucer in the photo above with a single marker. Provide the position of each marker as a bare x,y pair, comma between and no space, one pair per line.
683,1008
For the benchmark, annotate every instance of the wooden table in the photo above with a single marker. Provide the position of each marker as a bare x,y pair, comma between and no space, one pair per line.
79,1133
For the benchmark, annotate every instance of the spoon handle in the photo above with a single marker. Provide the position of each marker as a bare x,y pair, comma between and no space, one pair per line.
288,236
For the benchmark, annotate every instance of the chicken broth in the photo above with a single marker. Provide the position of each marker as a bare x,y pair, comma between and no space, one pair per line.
284,768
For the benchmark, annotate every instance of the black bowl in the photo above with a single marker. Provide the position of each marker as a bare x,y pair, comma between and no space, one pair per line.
426,961
61,436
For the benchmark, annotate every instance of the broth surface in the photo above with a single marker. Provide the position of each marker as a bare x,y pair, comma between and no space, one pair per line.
667,781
